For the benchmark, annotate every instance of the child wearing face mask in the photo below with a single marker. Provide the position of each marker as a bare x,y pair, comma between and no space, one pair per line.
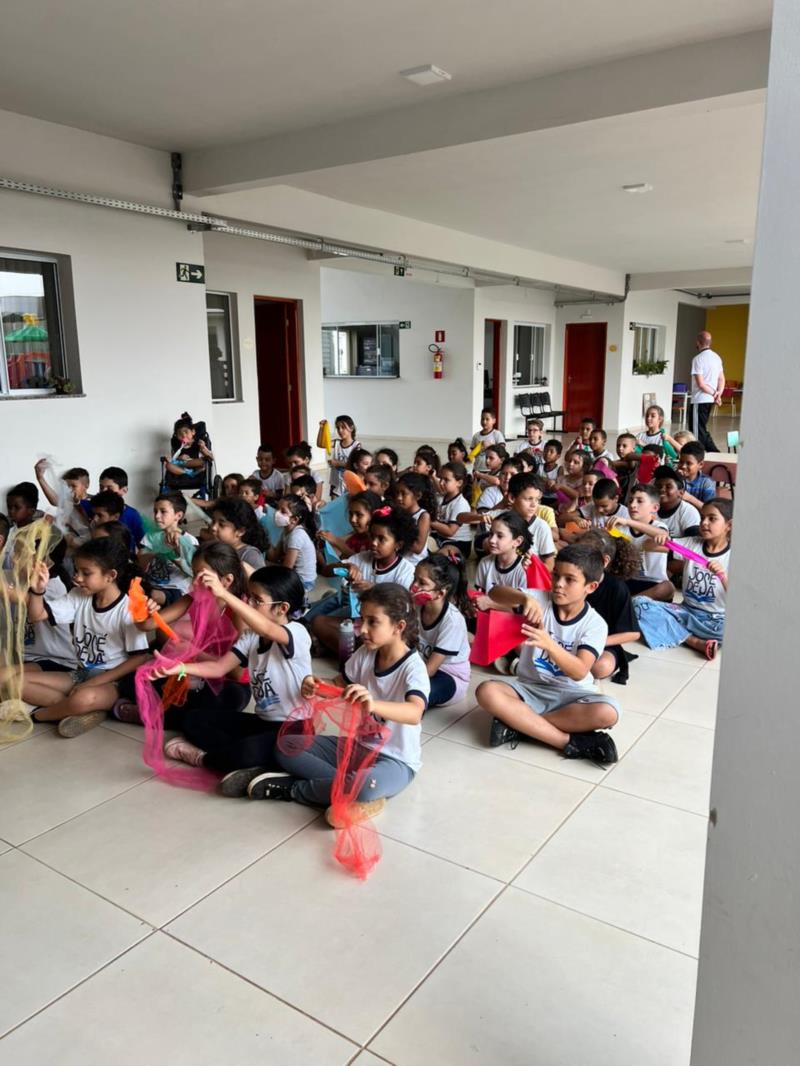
440,596
296,548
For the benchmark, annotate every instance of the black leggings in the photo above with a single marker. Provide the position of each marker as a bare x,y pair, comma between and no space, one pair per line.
232,740
232,697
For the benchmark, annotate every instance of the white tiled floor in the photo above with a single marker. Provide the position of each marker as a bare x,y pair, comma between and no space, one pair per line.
526,909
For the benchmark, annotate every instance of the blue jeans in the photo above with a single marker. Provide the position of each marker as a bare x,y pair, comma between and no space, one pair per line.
663,625
317,768
333,606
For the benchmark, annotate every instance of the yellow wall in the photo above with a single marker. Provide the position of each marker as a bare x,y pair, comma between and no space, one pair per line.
728,328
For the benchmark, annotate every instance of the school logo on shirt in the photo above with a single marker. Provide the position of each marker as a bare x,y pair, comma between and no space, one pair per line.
90,649
700,586
263,692
158,571
545,665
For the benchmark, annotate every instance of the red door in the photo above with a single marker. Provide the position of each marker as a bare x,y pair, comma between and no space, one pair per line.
584,373
278,366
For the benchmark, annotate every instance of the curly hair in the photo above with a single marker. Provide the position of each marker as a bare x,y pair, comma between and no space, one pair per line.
624,558
421,488
399,523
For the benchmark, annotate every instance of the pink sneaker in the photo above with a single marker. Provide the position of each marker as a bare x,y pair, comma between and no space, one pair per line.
182,751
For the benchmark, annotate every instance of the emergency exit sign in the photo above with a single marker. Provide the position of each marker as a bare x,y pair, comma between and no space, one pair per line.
194,273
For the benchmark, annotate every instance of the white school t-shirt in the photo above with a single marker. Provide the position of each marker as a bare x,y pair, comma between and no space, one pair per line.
447,636
706,365
588,630
486,439
408,677
449,512
489,498
490,574
653,564
47,639
271,484
684,517
600,521
701,590
541,537
417,557
276,670
401,572
341,454
164,572
104,637
306,564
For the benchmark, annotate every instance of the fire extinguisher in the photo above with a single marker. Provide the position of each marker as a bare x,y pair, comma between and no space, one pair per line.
438,360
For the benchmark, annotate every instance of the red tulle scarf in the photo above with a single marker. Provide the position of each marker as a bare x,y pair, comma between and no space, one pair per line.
360,740
212,635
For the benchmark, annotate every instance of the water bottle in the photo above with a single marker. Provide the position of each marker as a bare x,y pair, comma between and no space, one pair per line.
347,640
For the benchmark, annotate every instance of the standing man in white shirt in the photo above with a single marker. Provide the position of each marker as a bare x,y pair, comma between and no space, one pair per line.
708,381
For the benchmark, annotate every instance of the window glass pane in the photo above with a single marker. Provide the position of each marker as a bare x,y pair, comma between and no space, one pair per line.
361,350
31,333
220,346
528,355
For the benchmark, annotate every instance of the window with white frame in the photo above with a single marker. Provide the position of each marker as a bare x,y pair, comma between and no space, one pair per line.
223,352
529,354
645,343
34,359
361,349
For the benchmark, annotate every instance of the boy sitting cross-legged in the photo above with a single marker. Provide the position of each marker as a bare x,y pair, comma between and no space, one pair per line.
553,698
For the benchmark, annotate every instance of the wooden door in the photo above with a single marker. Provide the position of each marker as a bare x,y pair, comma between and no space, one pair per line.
584,373
278,366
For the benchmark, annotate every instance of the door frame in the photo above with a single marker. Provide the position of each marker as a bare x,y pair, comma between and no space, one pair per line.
497,358
565,384
292,345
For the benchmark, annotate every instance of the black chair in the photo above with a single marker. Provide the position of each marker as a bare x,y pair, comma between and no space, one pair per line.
542,408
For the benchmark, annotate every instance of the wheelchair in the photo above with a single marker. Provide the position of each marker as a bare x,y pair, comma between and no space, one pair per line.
204,484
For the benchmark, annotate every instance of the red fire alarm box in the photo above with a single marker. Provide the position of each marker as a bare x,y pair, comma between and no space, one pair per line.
439,336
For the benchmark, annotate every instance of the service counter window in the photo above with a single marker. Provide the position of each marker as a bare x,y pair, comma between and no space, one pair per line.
361,350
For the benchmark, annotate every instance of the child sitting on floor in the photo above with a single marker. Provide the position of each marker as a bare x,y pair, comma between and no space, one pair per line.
296,549
166,554
553,699
486,436
234,522
534,431
679,517
650,578
270,478
440,596
387,677
612,601
698,489
699,621
654,432
414,494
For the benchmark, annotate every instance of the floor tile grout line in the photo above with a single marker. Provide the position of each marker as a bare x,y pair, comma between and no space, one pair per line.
436,965
661,803
442,858
521,762
78,984
266,991
606,922
237,873
80,814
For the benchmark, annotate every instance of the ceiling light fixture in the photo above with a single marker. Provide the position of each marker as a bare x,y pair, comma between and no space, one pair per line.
638,186
427,75
738,240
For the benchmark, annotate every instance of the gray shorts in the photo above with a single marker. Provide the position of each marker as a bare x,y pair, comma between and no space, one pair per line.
544,698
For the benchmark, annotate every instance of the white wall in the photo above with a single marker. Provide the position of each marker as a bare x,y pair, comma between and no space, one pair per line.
512,304
747,992
659,308
252,268
414,405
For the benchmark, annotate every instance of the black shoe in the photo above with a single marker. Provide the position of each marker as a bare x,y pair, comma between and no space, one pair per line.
235,784
596,746
271,786
502,734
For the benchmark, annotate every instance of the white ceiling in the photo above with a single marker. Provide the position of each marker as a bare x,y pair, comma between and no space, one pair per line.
183,74
559,190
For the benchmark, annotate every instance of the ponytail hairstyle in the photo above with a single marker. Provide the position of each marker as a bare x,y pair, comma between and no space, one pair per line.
302,450
108,555
421,488
396,602
624,558
460,445
497,449
429,455
116,532
447,572
399,523
385,475
460,473
299,509
242,516
355,457
224,561
366,499
518,527
283,586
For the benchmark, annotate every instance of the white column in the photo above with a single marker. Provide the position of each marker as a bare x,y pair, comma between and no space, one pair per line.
748,1004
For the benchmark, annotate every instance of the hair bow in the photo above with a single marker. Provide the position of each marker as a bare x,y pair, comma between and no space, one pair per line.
382,512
